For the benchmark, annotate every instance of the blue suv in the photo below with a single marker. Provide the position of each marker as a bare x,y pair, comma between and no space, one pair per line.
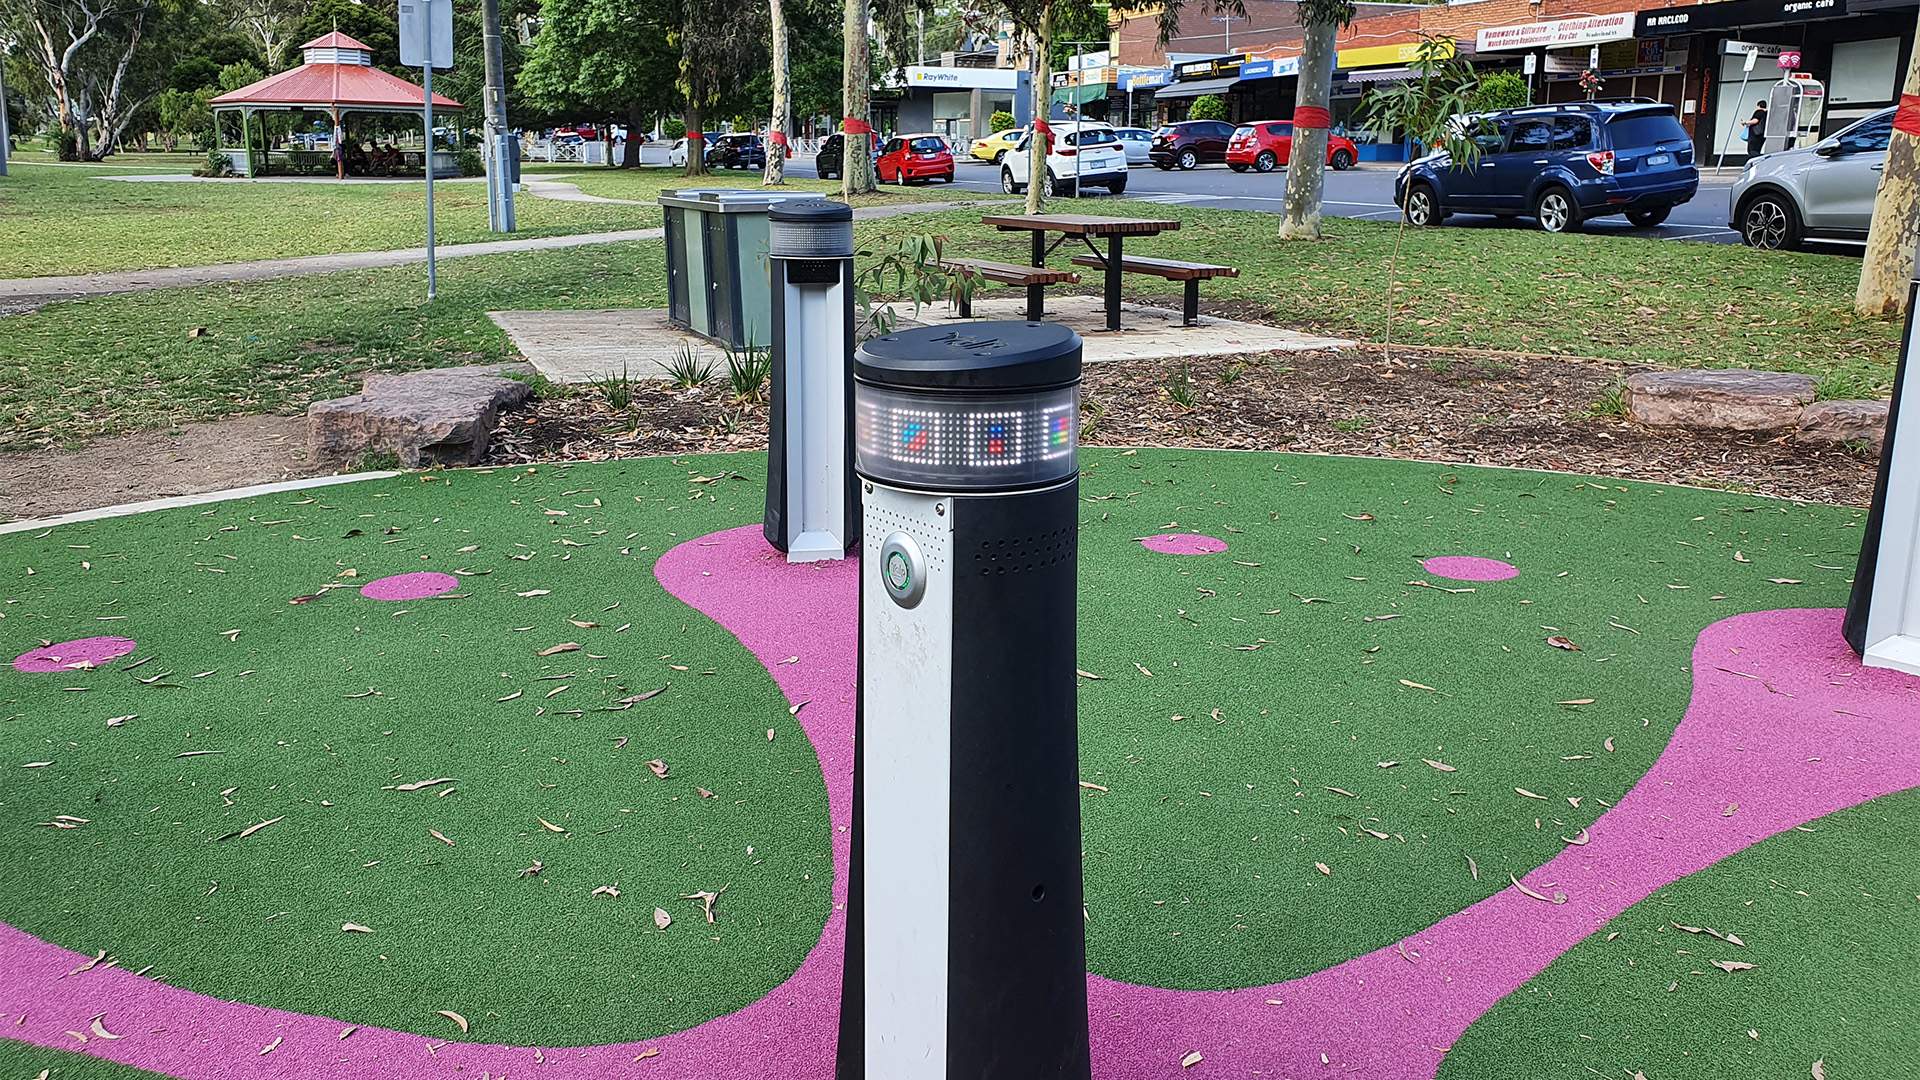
1560,164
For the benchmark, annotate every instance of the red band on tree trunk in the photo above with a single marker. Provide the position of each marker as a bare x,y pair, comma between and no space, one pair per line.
696,135
1306,116
854,126
778,138
1907,117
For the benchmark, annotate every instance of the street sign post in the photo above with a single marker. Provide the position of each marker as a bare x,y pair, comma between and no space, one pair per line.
426,39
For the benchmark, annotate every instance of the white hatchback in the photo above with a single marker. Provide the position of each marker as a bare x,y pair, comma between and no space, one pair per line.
1084,155
677,156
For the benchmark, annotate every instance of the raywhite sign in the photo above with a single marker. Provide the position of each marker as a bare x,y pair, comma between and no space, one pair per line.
414,33
1556,34
955,78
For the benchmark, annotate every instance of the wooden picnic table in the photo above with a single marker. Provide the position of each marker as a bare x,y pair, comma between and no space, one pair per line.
1089,228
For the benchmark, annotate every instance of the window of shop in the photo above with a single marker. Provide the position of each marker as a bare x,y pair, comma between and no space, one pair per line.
1740,90
953,115
1864,72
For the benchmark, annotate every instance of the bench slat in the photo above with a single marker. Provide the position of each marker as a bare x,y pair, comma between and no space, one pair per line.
1171,269
1012,273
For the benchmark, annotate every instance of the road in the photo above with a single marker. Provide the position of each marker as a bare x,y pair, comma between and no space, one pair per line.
1366,191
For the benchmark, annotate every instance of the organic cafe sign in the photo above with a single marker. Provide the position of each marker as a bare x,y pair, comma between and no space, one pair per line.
1558,33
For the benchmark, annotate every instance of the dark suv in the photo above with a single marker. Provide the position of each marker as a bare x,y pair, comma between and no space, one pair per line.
1190,143
1560,164
737,152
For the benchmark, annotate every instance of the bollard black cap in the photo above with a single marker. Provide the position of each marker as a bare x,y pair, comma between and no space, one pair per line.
807,211
991,357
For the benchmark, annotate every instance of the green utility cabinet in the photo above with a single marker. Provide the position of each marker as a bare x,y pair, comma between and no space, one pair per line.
718,282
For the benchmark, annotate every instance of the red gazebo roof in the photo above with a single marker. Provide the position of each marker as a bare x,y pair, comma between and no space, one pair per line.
321,85
336,40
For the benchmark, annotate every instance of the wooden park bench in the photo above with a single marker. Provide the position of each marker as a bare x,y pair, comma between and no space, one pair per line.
1035,278
1171,269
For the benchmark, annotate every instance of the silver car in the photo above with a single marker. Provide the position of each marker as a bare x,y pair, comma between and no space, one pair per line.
1824,191
1137,142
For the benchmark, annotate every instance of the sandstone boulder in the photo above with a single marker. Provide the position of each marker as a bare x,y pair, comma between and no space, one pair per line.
439,417
1831,423
1731,399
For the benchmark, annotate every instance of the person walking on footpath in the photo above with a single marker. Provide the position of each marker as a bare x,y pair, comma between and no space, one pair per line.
1756,126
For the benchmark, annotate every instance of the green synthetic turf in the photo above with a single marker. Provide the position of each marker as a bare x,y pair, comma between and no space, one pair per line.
25,1061
534,960
1201,813
1831,924
1200,856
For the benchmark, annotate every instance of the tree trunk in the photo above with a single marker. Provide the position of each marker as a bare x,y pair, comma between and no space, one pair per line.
696,142
780,126
1040,143
636,120
856,155
1887,265
1307,168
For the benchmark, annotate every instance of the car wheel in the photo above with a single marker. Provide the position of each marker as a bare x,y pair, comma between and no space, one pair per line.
947,179
1117,187
1771,223
1006,182
1189,160
1341,161
1646,219
1055,187
1266,162
998,155
1556,211
1423,206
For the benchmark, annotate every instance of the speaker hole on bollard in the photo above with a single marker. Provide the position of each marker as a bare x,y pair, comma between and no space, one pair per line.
1039,893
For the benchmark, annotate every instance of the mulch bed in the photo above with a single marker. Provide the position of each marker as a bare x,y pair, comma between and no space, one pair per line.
1456,406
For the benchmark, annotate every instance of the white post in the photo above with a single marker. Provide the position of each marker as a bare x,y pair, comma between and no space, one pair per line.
1752,55
427,67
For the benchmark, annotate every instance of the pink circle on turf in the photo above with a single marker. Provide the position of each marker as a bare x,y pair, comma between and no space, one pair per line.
62,657
1470,568
1184,544
415,586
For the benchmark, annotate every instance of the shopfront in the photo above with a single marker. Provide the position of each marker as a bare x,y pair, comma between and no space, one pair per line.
1857,50
1196,79
1355,71
959,102
1136,94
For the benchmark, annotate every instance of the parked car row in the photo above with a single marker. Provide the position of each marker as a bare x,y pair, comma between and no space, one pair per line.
1560,165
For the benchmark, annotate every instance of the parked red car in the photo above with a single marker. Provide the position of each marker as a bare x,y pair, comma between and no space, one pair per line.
1267,145
907,158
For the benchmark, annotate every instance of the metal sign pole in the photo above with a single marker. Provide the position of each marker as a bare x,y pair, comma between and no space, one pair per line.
427,67
1752,55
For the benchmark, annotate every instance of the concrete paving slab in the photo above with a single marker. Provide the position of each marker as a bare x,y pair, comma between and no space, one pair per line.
580,346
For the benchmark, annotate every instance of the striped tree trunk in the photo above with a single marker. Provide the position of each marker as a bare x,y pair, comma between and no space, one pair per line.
778,129
856,156
1887,265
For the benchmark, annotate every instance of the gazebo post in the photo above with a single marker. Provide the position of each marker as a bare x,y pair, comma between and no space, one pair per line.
246,138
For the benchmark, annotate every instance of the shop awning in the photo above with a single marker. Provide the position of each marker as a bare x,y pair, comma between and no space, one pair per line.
1398,74
1196,88
1080,95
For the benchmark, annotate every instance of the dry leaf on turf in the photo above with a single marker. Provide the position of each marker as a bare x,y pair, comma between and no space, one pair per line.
436,834
1731,966
1144,671
418,784
583,625
1556,898
1087,674
100,1029
1531,795
1191,1060
704,793
1322,867
1441,765
661,919
659,768
651,1051
569,646
551,827
644,695
455,1017
1417,686
356,928
1561,641
1579,840
1784,580
606,890
1576,701
1473,868
1609,744
1819,1069
534,870
1731,807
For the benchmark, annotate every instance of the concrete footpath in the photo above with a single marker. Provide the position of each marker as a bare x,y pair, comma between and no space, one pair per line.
27,293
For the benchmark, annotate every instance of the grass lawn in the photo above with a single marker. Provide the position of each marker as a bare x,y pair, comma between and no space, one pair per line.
1652,301
66,220
126,363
